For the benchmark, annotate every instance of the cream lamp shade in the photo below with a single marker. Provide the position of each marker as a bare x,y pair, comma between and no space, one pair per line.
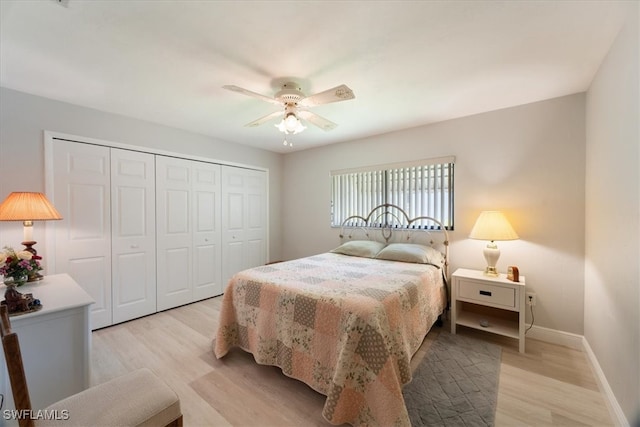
28,207
492,226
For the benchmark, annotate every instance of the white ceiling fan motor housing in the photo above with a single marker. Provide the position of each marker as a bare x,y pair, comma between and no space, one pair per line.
290,94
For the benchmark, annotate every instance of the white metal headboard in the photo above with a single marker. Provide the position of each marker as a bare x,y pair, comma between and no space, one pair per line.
388,219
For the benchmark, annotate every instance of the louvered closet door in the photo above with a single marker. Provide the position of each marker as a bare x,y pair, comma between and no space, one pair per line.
207,258
133,234
174,237
81,190
244,222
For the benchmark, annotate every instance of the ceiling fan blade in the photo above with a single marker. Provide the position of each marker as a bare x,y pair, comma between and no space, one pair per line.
265,119
252,94
338,93
314,119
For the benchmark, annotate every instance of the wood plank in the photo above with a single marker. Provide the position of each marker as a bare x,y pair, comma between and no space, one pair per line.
548,385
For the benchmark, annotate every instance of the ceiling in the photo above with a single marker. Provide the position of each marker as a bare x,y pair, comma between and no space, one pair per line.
409,63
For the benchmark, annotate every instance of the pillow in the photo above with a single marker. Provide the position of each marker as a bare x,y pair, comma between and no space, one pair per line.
411,252
361,248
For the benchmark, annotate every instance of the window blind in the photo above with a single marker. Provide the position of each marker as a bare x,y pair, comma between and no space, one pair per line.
422,188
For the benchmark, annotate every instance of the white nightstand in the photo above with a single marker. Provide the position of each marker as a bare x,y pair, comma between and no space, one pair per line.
492,304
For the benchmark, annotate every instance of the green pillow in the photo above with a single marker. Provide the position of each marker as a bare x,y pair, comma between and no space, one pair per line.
361,248
411,252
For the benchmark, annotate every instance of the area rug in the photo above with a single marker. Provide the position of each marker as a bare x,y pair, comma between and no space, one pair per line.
456,384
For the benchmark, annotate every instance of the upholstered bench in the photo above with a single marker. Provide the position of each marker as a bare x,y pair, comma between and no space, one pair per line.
138,398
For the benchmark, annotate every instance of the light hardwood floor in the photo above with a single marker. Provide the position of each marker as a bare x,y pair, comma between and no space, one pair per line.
549,385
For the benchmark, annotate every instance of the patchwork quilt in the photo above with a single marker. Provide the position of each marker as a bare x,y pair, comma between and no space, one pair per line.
346,326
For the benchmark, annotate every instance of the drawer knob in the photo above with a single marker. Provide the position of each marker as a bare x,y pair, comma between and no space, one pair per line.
486,293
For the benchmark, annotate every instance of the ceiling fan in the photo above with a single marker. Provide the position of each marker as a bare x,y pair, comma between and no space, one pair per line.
295,105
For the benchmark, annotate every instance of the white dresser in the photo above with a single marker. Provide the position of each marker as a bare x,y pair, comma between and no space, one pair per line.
55,343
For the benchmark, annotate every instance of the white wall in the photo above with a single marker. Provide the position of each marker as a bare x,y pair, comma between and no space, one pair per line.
24,118
527,161
612,248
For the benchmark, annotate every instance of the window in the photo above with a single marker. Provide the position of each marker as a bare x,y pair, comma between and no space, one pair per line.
421,188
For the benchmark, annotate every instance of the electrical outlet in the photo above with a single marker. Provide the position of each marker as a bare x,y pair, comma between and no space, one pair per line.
531,299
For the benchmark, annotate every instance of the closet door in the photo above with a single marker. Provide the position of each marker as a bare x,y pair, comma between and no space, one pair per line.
174,237
133,233
81,192
244,220
207,258
256,219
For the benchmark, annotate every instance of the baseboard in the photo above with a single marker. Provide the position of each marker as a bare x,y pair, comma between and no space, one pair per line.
554,336
612,403
579,342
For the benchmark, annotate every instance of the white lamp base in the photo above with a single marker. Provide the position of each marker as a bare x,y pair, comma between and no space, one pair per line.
491,255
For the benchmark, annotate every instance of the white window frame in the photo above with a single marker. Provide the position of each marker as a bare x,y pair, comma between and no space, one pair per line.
421,188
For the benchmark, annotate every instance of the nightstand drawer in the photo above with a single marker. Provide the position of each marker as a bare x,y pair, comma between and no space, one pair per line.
484,293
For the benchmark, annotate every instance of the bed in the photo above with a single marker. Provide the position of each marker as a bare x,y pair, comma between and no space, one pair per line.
345,322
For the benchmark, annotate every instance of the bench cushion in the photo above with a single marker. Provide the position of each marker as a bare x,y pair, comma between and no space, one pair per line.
138,398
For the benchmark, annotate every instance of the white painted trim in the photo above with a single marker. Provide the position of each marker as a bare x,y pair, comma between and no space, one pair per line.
268,224
554,336
49,136
50,235
579,342
612,403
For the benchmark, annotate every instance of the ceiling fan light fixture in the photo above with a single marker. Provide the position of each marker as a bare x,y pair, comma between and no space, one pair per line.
290,124
291,98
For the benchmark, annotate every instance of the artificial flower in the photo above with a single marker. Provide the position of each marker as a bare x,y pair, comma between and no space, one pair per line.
18,265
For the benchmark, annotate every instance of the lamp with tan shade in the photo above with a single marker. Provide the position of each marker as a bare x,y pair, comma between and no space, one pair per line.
28,207
492,226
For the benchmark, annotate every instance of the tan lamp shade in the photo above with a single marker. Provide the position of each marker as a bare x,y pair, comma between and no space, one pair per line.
493,225
27,207
23,206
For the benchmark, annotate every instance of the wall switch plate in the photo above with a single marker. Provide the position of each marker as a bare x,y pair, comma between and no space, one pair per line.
531,299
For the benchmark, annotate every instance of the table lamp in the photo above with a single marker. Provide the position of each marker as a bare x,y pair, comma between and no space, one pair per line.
28,207
492,226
